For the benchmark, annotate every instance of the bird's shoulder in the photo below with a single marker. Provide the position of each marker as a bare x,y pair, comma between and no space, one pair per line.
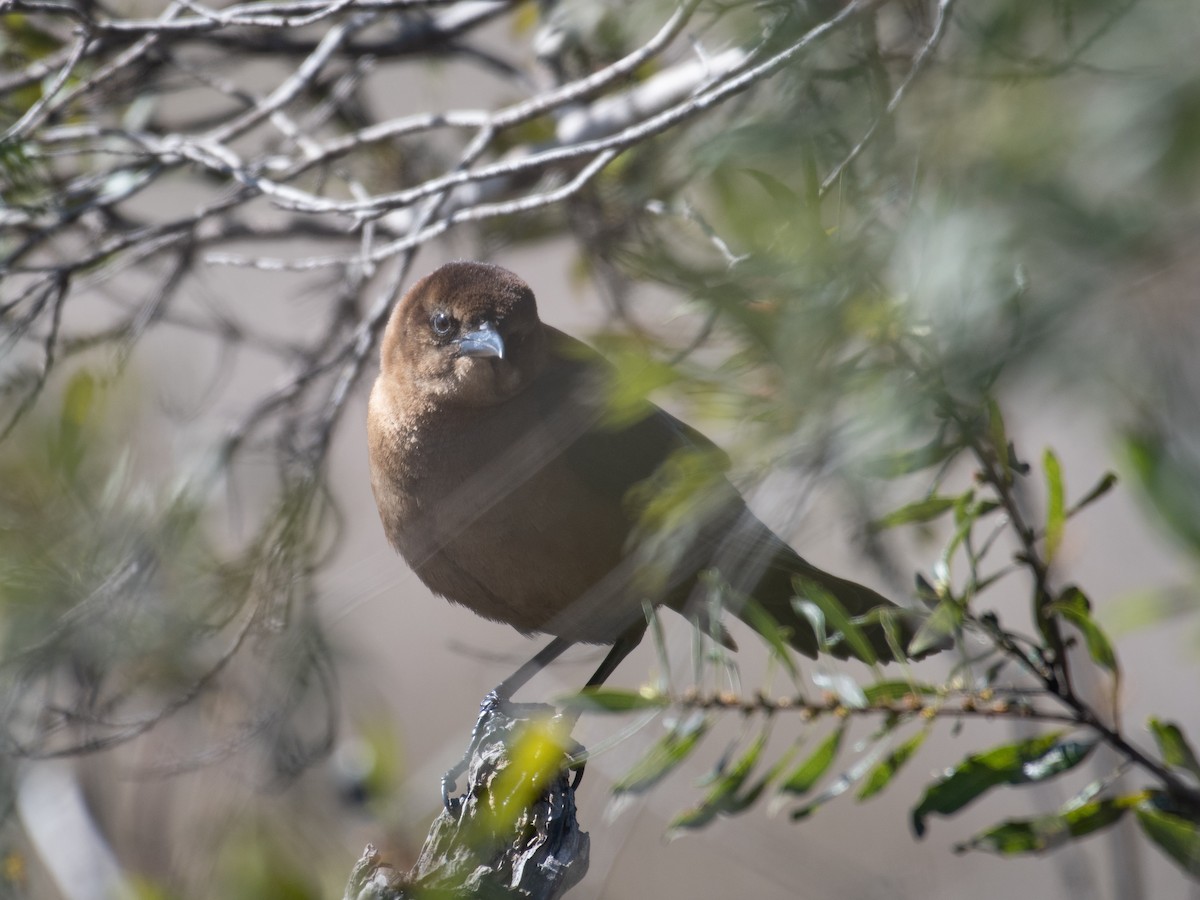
611,453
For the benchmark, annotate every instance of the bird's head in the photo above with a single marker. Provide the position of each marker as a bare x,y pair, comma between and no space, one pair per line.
467,334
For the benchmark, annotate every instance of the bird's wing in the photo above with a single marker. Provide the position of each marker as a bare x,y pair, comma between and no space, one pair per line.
714,529
611,457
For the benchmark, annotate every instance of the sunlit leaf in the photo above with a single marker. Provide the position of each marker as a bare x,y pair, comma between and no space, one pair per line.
837,618
891,691
1175,749
809,772
844,687
776,635
1043,833
1056,504
1026,762
663,757
724,797
941,626
998,438
68,450
838,786
606,699
919,511
882,774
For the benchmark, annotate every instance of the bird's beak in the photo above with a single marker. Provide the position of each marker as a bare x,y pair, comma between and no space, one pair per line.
483,341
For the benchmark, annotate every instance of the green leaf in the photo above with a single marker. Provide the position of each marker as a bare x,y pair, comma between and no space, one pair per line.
756,616
998,438
1175,749
891,691
1056,504
662,758
1176,834
837,618
1168,484
77,402
844,687
883,773
943,623
809,772
604,699
724,795
1043,833
920,511
905,462
839,785
1073,605
776,189
1026,762
1103,486
68,451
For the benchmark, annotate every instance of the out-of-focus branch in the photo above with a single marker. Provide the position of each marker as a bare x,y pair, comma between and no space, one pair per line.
300,157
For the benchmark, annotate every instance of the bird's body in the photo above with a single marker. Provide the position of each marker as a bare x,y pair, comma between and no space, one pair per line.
484,508
502,482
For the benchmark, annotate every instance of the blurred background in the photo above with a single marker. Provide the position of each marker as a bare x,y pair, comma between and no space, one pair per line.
800,226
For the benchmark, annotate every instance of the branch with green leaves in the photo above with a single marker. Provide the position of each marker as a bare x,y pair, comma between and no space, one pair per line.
1001,674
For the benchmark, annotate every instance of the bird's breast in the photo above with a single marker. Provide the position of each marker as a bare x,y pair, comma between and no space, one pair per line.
486,509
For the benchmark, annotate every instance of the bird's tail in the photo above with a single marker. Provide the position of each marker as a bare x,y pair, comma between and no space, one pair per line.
802,600
794,587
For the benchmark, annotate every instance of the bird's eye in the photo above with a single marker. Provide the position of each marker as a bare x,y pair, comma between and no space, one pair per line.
441,323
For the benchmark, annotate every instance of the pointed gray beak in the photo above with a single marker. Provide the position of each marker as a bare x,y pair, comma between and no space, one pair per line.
484,341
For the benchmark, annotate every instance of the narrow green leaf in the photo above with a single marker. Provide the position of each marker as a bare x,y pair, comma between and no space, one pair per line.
816,618
838,786
906,462
1175,749
845,688
775,189
661,759
723,797
79,396
1056,504
809,772
1103,486
1043,833
920,511
1073,605
1025,762
891,691
756,616
891,622
604,699
998,438
941,625
1176,834
68,450
837,618
883,773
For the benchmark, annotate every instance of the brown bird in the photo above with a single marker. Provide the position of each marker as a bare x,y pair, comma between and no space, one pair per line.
506,483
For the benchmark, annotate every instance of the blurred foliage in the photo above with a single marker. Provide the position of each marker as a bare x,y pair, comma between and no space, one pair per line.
121,618
986,235
113,594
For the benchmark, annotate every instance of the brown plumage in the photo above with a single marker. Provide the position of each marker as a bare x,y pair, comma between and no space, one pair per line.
501,480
